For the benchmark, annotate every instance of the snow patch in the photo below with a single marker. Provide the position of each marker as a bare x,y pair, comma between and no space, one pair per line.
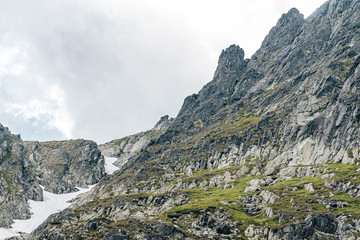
41,210
109,165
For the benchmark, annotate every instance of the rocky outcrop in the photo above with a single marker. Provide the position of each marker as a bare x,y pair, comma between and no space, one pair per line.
65,165
123,218
58,166
320,226
128,147
17,183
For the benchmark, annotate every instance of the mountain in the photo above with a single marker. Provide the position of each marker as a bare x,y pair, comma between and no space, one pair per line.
269,149
59,167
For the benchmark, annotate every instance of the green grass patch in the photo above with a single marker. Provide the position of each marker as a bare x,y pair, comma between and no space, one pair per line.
344,172
214,198
237,127
353,207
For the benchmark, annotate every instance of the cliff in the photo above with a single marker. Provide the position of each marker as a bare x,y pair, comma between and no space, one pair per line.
58,166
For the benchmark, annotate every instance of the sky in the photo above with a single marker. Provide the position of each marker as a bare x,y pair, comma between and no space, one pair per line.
102,70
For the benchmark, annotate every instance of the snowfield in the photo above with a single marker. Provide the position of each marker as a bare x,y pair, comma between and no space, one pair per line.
52,203
110,168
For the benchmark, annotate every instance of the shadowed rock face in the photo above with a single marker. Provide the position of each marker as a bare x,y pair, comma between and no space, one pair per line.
269,149
65,165
17,184
58,166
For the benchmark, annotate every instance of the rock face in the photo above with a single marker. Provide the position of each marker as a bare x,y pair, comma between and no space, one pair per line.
66,164
269,149
128,147
58,166
17,183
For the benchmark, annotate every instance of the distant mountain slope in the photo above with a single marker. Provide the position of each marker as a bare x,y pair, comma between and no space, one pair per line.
269,149
128,147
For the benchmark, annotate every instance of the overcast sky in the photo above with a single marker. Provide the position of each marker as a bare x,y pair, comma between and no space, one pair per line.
104,69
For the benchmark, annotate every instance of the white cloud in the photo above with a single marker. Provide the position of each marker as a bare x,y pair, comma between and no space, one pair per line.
26,96
105,69
9,61
50,108
61,118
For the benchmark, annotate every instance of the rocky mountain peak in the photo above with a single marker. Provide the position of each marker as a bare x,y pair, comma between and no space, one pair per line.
292,15
233,54
231,60
163,122
4,130
285,31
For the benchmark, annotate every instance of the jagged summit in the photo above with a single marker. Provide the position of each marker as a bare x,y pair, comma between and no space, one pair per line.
291,16
232,54
163,123
285,31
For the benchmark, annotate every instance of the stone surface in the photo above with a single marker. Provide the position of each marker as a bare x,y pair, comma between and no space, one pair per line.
309,187
58,166
128,147
66,164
